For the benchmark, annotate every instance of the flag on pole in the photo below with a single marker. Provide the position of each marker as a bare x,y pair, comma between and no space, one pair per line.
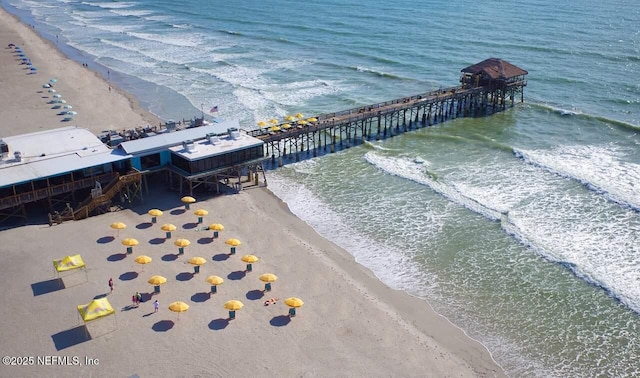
214,109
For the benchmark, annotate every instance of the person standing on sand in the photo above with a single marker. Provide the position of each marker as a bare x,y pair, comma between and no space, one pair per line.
155,306
111,284
134,300
138,297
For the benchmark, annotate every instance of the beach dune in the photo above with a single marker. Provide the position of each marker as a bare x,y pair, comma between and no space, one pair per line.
351,324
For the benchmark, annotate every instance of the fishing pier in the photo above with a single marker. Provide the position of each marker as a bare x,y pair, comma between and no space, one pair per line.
485,88
80,174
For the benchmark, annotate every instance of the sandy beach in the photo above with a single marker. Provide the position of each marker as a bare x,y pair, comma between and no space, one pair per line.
351,324
26,108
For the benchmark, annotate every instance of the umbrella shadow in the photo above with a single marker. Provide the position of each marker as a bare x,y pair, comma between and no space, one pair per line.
145,297
103,295
169,257
221,257
116,257
280,320
163,325
128,276
237,275
71,337
201,297
45,287
184,276
157,241
254,295
177,211
205,240
190,225
144,225
105,239
218,324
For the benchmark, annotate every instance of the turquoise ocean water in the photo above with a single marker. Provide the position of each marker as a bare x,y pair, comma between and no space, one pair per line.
523,228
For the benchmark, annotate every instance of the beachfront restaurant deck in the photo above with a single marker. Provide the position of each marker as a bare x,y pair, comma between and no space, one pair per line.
71,174
198,157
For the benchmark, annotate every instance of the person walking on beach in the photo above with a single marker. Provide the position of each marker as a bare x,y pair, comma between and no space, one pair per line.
111,284
138,297
155,306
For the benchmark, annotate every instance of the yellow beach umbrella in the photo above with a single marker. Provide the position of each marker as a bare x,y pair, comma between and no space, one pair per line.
289,118
216,227
155,213
143,260
286,126
268,278
187,200
249,259
233,306
178,307
273,121
214,281
130,243
181,243
156,281
312,119
294,303
262,124
302,122
233,243
299,115
118,226
197,262
168,227
274,128
201,213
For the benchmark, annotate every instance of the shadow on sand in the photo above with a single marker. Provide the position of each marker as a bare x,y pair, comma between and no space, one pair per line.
220,257
45,287
237,275
218,324
156,241
177,211
116,257
280,320
105,239
71,337
144,225
128,276
169,257
184,276
163,325
254,295
190,225
205,240
201,297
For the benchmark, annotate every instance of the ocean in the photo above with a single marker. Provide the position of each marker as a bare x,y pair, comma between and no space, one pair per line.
522,227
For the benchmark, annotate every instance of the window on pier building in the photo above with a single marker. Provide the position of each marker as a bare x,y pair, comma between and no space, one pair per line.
150,161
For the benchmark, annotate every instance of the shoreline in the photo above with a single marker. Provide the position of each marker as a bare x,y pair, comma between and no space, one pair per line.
432,339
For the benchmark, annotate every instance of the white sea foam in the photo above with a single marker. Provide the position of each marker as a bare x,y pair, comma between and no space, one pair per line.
111,5
600,246
131,12
180,40
390,264
408,169
600,168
